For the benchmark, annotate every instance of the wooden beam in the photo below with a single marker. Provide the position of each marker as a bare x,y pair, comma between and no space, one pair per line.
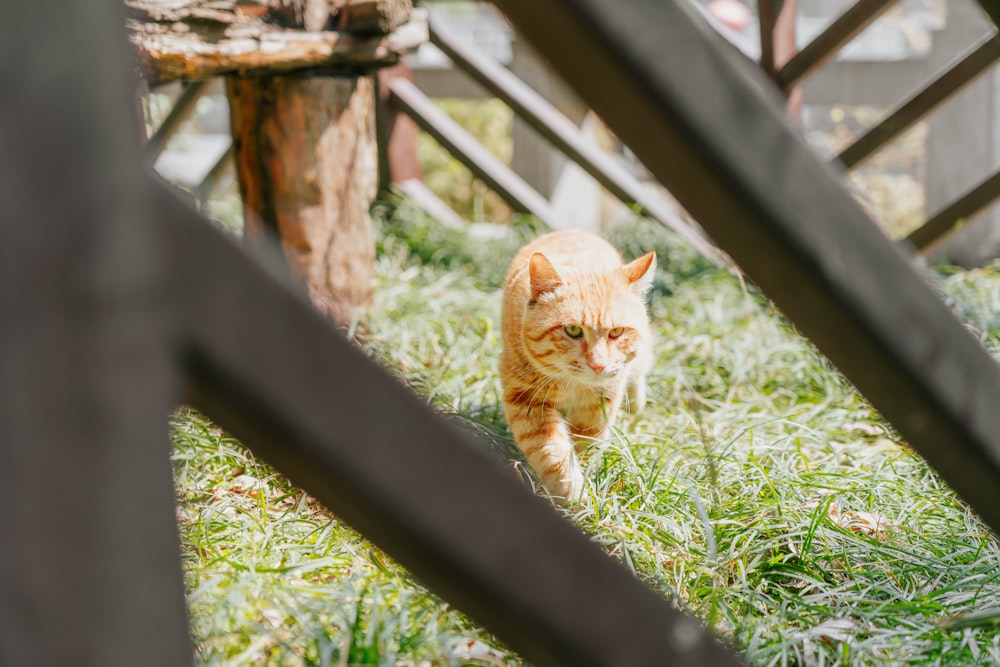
564,135
945,86
90,569
354,437
183,107
727,152
767,18
825,46
250,48
926,237
498,176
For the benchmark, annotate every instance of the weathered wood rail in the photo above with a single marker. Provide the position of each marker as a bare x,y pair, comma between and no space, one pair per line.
564,135
498,176
558,130
219,42
944,86
806,243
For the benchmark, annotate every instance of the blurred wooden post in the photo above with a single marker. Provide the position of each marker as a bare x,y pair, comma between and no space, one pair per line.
777,46
90,568
784,49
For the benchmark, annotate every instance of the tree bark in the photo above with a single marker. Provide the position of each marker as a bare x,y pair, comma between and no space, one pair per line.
373,17
306,161
311,15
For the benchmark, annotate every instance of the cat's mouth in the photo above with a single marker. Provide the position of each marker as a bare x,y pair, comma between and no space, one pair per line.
597,377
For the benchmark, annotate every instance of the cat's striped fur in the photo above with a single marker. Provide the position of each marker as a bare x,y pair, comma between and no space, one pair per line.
576,342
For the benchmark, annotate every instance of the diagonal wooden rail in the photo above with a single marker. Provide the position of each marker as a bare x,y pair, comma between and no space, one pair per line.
118,300
944,86
767,18
726,151
498,176
975,201
183,107
562,133
825,45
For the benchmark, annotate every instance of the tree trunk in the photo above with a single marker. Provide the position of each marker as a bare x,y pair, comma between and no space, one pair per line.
306,161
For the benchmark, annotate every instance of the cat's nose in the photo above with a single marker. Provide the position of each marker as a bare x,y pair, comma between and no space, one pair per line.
597,366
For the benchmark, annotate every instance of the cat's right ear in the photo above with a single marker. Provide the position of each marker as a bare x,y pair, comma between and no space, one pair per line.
544,277
639,273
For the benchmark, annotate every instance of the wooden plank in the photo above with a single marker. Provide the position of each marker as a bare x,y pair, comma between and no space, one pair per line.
926,237
992,9
563,133
373,17
90,571
215,175
253,48
498,176
825,46
304,398
183,108
945,86
767,18
664,81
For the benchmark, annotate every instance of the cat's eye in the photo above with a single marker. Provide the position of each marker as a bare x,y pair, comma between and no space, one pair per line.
573,330
616,332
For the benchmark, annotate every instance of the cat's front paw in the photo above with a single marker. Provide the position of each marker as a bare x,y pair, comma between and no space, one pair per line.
636,393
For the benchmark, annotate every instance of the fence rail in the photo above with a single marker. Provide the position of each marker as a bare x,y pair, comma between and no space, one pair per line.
498,176
924,101
564,135
825,46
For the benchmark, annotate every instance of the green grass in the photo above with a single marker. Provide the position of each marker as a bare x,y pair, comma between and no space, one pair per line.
757,490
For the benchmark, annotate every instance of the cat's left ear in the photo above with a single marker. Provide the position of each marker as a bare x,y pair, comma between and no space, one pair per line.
639,272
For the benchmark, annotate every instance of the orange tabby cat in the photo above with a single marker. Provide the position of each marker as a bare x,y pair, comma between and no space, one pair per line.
575,340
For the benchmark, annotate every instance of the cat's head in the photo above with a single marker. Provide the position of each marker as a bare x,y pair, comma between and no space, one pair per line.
586,325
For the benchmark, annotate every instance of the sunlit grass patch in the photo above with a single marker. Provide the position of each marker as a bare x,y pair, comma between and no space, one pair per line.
756,490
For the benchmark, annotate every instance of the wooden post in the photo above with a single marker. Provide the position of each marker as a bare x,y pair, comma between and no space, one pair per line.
306,161
306,158
302,112
90,567
397,134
